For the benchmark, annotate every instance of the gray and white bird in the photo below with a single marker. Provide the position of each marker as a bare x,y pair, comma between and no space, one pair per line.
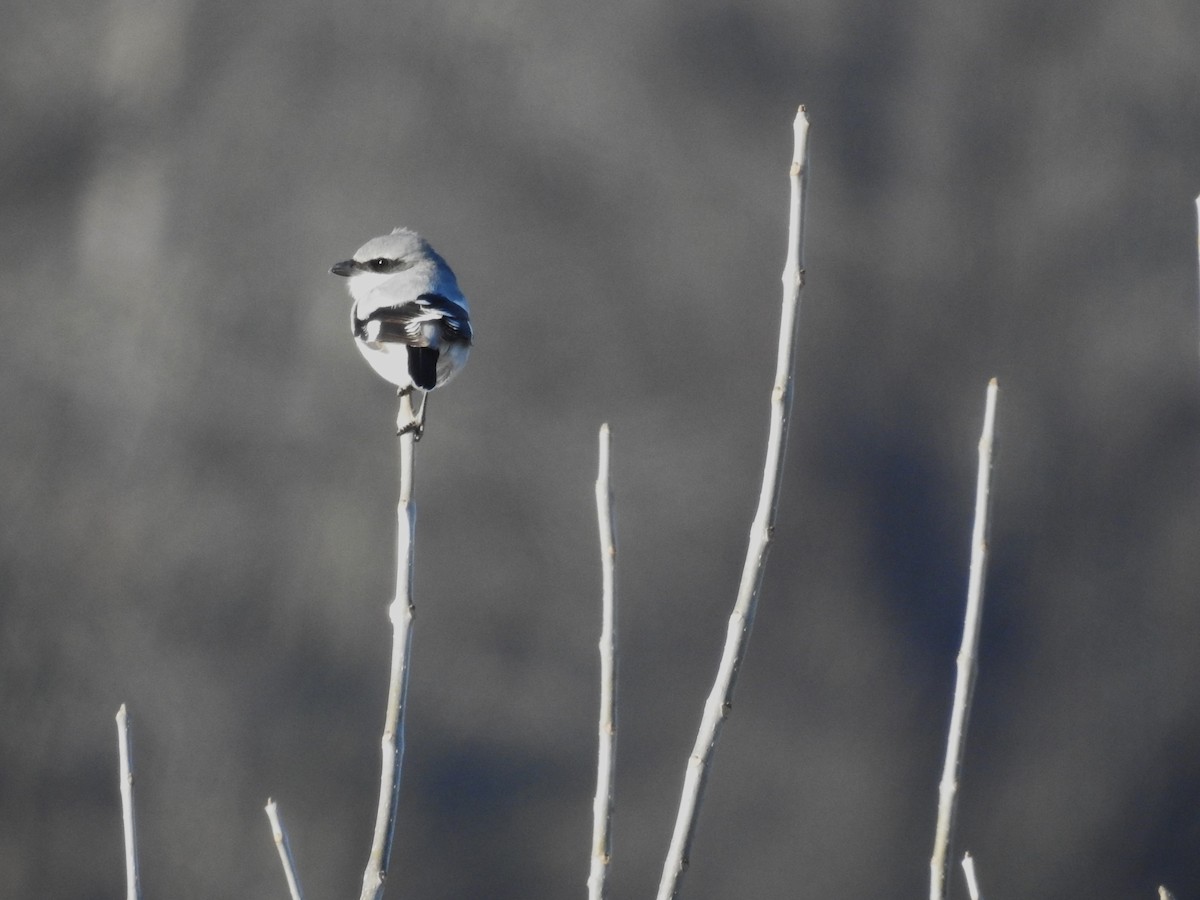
409,319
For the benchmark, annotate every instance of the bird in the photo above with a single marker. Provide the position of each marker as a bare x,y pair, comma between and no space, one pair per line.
409,319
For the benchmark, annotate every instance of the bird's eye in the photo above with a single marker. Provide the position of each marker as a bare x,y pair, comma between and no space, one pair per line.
382,264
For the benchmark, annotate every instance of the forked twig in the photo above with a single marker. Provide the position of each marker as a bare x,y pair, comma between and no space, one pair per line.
964,684
401,614
285,851
602,806
720,700
133,881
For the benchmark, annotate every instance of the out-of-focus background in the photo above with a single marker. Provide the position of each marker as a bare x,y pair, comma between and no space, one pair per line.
198,470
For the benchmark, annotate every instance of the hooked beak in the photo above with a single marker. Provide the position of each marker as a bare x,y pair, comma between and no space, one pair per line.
345,268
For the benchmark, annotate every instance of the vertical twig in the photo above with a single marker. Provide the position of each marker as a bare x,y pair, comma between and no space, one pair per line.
720,700
285,851
401,614
133,881
1163,893
602,806
968,865
1197,253
964,684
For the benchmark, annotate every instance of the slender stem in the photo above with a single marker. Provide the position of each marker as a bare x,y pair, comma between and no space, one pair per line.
1197,256
133,881
720,700
964,685
401,614
285,851
602,806
968,864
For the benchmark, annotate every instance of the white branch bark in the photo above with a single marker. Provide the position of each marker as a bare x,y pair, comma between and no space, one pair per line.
133,881
964,685
968,865
285,851
602,806
401,614
720,700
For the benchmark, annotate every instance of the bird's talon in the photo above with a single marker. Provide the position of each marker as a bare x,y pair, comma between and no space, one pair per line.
416,429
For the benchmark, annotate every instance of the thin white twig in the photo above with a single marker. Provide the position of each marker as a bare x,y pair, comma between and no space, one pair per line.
964,684
1163,893
285,851
401,614
968,864
133,881
602,806
720,700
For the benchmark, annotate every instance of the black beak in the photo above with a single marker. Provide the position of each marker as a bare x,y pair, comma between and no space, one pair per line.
345,268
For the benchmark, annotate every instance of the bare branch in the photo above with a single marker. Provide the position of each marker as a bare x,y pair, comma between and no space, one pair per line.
285,851
720,700
602,806
133,881
964,684
401,614
968,864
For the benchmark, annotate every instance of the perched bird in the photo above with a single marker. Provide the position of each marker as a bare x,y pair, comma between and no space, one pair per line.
409,319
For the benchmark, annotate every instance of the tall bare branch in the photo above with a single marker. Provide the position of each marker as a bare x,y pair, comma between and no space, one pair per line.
964,685
602,806
401,615
720,700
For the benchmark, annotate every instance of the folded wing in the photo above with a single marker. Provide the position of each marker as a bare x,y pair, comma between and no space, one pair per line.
425,325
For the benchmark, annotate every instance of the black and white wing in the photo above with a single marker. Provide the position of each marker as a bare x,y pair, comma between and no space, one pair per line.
426,325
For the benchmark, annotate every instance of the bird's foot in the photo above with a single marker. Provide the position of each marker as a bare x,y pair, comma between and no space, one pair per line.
410,421
416,429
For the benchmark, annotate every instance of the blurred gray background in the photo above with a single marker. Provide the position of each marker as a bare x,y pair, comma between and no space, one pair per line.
198,471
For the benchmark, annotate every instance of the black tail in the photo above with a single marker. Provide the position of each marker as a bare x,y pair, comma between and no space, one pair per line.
422,366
